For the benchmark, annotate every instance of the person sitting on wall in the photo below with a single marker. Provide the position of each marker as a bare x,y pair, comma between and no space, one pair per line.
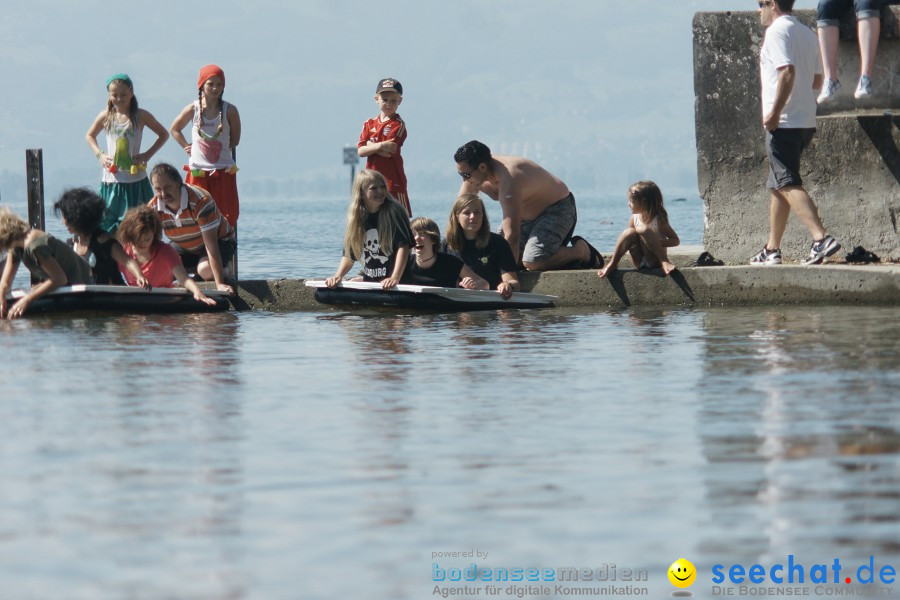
868,28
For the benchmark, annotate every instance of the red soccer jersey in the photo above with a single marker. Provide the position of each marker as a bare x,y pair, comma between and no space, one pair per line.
393,130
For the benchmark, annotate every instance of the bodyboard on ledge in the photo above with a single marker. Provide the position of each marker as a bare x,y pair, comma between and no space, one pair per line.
368,293
122,299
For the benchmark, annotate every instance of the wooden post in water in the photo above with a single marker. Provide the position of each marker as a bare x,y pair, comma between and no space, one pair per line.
34,180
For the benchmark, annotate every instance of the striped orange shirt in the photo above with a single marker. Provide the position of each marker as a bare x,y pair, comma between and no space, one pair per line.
196,214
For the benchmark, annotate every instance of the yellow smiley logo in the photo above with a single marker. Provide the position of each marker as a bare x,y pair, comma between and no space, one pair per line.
682,573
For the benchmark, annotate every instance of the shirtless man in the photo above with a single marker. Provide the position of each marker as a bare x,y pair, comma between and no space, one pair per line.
538,209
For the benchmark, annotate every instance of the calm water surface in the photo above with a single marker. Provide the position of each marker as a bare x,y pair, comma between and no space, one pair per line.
328,455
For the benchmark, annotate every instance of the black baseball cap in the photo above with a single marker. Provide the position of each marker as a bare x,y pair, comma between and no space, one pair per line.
389,85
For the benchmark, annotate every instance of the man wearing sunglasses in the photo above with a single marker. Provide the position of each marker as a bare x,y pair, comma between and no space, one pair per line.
538,209
791,72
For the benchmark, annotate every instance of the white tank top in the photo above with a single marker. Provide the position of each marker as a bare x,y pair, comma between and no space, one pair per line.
653,225
210,150
123,142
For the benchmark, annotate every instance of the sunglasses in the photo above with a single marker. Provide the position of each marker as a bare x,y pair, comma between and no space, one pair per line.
764,3
465,175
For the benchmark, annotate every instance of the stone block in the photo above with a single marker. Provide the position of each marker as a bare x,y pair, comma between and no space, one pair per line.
852,169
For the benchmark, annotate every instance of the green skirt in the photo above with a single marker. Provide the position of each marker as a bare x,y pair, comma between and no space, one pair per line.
122,197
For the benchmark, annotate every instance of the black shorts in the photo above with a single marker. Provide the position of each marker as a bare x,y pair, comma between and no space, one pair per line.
190,261
784,147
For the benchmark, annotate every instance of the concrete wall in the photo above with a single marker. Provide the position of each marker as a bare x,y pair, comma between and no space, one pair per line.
852,169
698,286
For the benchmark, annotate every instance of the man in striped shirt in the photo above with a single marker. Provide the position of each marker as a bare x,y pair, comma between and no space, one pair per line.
191,220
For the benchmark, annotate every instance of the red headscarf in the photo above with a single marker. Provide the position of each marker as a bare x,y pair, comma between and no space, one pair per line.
210,71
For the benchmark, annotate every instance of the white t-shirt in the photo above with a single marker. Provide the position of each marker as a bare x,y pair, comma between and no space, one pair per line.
790,42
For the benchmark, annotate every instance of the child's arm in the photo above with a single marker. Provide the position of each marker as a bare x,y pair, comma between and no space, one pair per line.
180,123
120,256
386,148
399,266
181,275
508,285
234,123
343,268
57,279
366,147
470,280
390,145
669,239
105,159
162,136
9,273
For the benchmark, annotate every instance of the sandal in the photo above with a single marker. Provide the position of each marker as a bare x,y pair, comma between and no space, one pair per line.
860,255
596,261
707,260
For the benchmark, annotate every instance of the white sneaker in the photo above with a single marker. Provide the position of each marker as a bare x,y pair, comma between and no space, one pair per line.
829,89
864,89
821,250
766,257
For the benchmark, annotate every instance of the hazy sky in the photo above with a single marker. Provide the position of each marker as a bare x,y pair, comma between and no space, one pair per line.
599,92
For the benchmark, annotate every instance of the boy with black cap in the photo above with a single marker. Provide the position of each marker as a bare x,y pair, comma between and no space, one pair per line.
382,137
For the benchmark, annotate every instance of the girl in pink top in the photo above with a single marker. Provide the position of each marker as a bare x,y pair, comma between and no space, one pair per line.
140,234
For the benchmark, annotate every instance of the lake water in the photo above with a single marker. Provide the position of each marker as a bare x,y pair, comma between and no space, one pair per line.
332,454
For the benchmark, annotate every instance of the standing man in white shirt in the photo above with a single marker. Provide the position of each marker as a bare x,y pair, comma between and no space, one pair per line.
791,73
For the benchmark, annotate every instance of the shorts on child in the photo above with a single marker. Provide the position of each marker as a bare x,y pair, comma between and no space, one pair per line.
541,238
120,198
227,248
829,12
784,147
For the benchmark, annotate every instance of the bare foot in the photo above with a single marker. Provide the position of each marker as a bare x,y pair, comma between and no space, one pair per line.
667,267
602,273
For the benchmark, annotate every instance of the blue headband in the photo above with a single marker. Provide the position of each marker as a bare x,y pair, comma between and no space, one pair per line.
120,77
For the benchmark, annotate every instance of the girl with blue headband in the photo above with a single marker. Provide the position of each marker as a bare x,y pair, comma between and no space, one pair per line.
123,182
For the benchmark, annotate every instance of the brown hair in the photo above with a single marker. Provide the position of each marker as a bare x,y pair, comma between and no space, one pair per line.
429,228
168,171
138,222
456,239
132,107
648,196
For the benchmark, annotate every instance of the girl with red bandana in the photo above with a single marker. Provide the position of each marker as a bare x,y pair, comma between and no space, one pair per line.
215,133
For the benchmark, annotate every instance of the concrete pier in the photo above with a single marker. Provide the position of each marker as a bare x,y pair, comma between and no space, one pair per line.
689,286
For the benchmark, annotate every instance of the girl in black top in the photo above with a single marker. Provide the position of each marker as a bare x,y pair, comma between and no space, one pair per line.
469,236
82,212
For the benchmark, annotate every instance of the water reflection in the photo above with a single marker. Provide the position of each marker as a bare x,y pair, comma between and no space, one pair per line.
791,449
327,442
124,438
